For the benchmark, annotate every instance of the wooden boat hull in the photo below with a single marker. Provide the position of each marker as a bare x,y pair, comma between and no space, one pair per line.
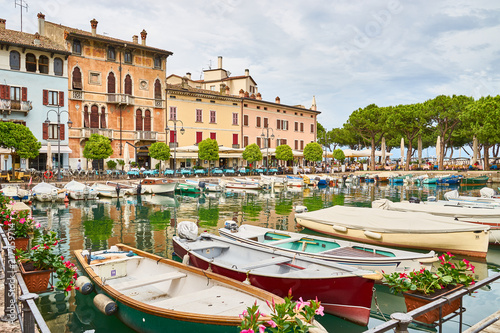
158,186
474,181
143,317
474,244
348,297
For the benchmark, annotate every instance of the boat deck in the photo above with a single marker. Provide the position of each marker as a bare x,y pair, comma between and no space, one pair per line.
351,252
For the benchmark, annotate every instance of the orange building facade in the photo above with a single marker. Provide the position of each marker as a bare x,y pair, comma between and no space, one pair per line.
116,89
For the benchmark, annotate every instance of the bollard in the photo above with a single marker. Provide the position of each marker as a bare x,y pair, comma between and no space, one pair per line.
28,318
9,286
404,321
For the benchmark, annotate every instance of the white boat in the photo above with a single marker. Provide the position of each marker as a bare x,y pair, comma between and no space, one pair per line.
295,181
108,191
158,185
364,256
80,191
276,181
488,197
15,192
400,229
45,192
153,294
204,184
452,210
242,185
131,189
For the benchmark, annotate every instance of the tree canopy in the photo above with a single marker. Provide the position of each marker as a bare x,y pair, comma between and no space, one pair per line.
313,152
252,153
20,139
208,149
97,147
159,151
284,153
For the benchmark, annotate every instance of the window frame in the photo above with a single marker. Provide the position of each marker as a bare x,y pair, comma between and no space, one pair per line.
62,66
111,53
157,62
11,53
245,120
43,67
30,64
77,46
15,90
213,117
52,131
126,55
199,115
235,118
172,113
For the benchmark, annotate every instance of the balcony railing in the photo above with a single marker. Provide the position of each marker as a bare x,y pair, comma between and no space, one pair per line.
12,105
121,99
146,135
236,146
87,132
173,144
77,94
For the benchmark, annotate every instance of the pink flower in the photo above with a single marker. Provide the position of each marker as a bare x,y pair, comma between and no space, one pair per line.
247,331
37,225
319,311
272,323
300,304
22,220
262,328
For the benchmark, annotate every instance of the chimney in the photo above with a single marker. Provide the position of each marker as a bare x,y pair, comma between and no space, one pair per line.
41,24
247,72
259,96
252,96
247,94
188,75
185,84
143,36
313,106
227,90
135,39
242,93
2,23
93,25
277,100
37,39
220,62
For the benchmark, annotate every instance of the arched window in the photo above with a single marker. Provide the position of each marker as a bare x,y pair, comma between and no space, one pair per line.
43,64
103,117
86,116
77,79
15,60
138,120
30,62
58,66
147,121
111,53
157,89
94,117
77,46
111,83
128,85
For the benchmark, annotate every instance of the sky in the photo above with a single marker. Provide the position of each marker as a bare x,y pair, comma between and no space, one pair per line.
348,54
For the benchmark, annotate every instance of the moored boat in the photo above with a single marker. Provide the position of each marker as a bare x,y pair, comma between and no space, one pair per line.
343,290
242,185
474,181
400,229
487,198
80,191
362,255
152,293
15,192
45,192
158,185
109,191
187,188
131,189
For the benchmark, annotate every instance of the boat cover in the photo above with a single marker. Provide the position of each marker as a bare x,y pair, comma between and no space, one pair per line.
451,195
44,187
440,208
387,221
75,186
487,192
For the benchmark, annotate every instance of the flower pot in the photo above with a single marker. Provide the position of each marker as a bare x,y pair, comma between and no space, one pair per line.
36,281
415,300
21,243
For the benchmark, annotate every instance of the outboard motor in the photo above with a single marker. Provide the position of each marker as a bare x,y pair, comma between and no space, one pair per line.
187,230
414,200
139,189
231,225
201,185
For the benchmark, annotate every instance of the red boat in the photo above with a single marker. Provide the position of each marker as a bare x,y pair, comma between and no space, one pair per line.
343,291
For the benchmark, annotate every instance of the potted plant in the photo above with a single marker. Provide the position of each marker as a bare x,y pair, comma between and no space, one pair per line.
425,286
37,263
20,226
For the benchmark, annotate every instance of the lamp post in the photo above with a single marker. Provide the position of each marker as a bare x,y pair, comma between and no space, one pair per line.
70,123
175,121
266,137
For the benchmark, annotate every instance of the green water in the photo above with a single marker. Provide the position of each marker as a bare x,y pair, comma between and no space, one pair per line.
148,223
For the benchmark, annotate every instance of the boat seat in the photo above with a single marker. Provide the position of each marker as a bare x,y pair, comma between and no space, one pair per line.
285,240
267,262
205,247
99,262
148,281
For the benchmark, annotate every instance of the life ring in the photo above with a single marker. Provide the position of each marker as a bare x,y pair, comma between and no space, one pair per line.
48,174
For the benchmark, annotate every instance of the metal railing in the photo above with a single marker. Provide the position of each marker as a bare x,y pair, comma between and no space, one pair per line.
400,321
16,293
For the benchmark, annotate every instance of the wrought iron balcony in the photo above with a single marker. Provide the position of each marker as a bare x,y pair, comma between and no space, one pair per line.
146,135
107,132
77,94
18,106
121,99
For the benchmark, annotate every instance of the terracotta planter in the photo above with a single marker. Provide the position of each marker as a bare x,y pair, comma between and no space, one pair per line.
415,300
36,281
21,243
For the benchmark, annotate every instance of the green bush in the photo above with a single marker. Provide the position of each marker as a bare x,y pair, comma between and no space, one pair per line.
111,164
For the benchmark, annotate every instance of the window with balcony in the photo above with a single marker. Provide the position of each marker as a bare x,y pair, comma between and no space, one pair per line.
30,62
173,113
235,139
138,120
77,46
235,118
127,57
111,53
43,64
213,118
14,60
128,84
77,79
15,94
199,137
58,67
199,115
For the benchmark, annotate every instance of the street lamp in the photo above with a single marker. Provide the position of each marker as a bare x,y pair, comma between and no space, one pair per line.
175,131
70,123
266,137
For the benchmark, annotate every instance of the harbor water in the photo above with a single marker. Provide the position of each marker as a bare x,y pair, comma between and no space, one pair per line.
148,223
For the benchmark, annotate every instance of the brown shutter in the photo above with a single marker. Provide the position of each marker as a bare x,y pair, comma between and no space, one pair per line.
45,97
7,91
61,98
111,83
45,131
24,94
278,124
94,117
77,79
2,91
61,131
138,120
147,121
103,117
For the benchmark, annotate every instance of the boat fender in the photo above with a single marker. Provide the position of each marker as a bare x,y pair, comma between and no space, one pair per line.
431,198
300,209
374,235
414,200
201,184
339,228
185,259
105,304
84,285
